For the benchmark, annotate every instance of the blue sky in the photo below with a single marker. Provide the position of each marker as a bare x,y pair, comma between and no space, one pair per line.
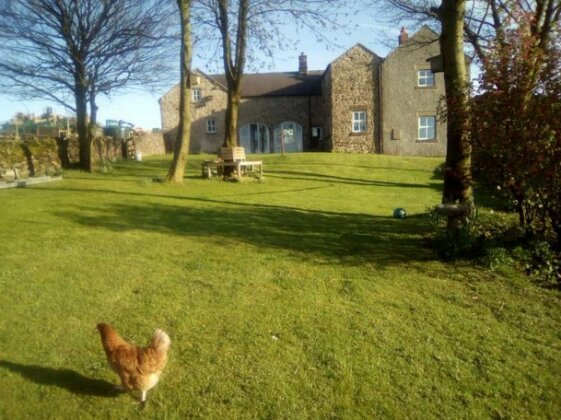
142,109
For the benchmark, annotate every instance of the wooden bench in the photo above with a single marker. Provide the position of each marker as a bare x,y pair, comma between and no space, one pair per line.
231,156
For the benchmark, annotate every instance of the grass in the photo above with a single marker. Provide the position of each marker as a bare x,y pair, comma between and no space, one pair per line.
296,297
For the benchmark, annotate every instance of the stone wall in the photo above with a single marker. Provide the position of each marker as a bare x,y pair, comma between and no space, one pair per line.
403,101
150,143
211,106
270,111
109,148
354,87
24,159
44,156
358,80
103,148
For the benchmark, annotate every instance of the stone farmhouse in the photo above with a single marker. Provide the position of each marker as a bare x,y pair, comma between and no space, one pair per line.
359,103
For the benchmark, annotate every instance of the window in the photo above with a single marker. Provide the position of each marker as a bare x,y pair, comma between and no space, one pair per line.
425,78
359,121
288,135
197,95
317,136
211,126
427,128
254,138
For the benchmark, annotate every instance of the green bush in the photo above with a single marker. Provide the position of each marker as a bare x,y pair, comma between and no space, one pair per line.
539,260
498,243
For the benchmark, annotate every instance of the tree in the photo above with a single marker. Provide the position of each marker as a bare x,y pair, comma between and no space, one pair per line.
244,26
457,174
234,64
457,196
70,51
516,125
181,147
485,22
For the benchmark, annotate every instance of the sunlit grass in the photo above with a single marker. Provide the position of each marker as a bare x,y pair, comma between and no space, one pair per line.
296,297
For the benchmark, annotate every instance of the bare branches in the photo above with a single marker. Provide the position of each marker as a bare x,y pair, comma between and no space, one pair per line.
54,44
269,24
70,51
485,21
243,26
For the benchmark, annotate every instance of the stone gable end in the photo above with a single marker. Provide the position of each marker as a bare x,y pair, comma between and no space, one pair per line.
211,106
404,101
354,87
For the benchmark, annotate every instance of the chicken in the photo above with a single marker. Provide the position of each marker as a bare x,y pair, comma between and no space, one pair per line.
139,368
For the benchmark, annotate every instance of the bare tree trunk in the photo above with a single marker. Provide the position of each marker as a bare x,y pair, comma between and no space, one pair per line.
84,139
457,176
93,122
234,63
93,109
232,113
181,148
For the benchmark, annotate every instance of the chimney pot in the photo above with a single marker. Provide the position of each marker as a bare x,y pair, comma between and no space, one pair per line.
403,35
303,64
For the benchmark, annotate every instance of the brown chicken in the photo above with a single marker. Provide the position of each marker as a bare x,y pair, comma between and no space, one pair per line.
139,368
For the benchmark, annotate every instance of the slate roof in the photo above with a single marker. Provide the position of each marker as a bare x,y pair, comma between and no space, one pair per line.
277,84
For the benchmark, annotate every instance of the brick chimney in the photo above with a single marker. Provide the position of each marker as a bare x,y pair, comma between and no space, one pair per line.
303,64
403,35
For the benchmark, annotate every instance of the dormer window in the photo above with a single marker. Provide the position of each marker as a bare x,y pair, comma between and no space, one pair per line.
196,94
425,78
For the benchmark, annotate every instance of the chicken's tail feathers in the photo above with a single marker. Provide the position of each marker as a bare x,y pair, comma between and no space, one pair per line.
160,341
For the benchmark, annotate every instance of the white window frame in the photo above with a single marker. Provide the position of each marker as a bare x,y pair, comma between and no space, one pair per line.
317,132
425,78
255,138
292,134
196,95
211,126
359,122
425,130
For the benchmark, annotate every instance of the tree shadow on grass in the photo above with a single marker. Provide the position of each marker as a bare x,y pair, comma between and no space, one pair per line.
343,238
351,181
63,378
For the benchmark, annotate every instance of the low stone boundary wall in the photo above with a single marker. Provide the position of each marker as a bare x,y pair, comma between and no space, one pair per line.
28,158
22,159
110,148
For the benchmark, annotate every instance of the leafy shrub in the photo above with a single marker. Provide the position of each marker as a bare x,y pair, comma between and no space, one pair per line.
465,242
498,258
516,128
499,244
539,260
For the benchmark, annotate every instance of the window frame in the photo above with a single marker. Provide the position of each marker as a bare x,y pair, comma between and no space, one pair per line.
211,126
426,127
318,130
255,138
362,123
196,95
297,137
429,76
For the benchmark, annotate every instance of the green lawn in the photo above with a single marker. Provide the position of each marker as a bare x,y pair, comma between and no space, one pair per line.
296,297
